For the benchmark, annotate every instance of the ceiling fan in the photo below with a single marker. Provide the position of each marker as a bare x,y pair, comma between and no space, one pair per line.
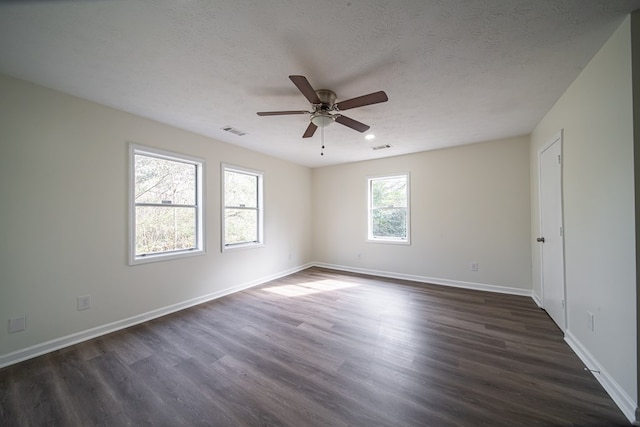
324,103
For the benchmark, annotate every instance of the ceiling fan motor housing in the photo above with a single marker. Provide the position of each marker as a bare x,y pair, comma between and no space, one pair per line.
327,99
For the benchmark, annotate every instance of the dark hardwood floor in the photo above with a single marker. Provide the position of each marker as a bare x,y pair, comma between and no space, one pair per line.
319,348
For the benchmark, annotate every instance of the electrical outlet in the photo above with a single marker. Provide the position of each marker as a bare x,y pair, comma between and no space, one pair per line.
474,266
590,321
17,324
84,302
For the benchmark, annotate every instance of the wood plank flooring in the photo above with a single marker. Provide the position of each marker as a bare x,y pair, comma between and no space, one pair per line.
319,348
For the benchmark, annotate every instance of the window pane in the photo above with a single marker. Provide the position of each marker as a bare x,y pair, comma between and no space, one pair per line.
161,229
241,226
164,181
240,189
391,192
389,223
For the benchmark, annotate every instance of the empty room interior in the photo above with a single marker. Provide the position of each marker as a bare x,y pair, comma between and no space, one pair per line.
319,213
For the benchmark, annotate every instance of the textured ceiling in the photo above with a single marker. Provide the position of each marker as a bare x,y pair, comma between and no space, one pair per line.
455,71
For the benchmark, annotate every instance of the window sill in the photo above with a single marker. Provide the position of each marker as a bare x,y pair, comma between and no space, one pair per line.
165,257
390,241
241,246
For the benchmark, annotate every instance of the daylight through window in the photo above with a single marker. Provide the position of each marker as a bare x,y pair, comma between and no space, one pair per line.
389,209
166,205
242,205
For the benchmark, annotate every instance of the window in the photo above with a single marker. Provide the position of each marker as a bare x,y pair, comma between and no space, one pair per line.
389,209
166,209
242,208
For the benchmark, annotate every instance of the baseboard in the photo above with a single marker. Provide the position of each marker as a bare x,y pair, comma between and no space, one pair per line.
617,394
536,299
68,340
433,280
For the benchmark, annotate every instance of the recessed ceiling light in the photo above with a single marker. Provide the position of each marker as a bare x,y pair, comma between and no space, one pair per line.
370,136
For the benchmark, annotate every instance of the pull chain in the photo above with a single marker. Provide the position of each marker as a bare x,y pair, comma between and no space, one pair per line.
322,138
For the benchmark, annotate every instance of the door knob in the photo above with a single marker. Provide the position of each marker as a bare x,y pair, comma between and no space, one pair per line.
540,239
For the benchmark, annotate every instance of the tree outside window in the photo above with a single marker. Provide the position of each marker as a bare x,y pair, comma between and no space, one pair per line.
389,209
166,205
242,206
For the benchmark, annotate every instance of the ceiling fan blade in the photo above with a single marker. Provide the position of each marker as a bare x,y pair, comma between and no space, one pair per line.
310,131
353,124
372,98
303,86
280,113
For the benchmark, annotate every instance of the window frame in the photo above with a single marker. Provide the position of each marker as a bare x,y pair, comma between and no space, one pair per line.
200,164
260,242
385,239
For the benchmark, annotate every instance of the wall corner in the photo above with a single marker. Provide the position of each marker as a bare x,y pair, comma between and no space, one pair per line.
635,75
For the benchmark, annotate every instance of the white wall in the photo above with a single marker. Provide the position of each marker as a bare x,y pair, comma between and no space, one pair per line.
597,117
468,204
63,216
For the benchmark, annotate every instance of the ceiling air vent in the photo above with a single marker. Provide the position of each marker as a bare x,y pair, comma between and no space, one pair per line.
234,131
381,147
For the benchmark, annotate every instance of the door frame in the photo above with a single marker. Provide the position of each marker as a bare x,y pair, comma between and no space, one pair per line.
558,138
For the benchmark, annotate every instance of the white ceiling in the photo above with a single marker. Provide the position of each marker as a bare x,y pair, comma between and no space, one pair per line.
455,71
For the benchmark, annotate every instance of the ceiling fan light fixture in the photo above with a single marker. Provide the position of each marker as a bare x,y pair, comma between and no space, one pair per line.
322,120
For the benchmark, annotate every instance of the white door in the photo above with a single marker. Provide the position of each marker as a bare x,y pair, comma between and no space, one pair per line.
551,231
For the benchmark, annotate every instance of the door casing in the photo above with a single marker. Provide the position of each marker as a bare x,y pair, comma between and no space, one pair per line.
549,289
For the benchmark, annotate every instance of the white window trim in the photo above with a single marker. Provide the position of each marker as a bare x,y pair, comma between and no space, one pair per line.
389,240
200,248
261,240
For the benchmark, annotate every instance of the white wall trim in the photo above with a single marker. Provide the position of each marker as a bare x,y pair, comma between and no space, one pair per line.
618,395
433,280
78,337
536,299
558,138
